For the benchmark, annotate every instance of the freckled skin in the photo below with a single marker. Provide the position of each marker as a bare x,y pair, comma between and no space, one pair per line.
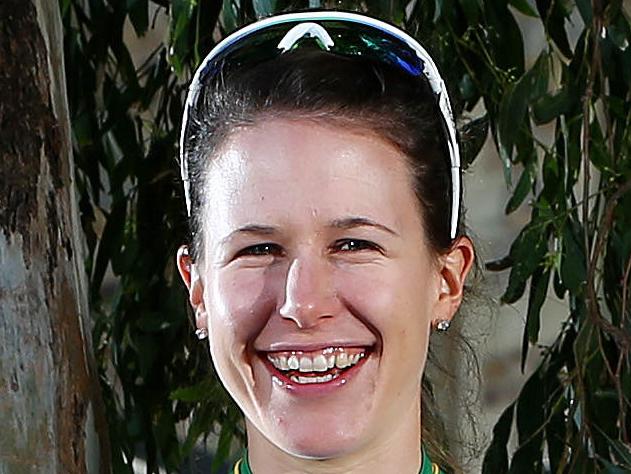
298,177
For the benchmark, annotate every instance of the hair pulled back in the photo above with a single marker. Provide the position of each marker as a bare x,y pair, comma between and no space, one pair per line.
357,93
312,84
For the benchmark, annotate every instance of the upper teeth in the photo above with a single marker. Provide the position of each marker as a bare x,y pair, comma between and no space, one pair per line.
317,363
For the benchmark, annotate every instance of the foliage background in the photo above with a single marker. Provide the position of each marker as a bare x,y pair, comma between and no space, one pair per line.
573,414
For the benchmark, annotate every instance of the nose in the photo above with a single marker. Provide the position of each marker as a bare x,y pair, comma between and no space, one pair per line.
309,293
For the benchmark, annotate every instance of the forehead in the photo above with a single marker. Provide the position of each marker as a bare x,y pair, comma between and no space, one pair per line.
288,170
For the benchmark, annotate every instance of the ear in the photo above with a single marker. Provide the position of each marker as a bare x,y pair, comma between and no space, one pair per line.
454,268
190,275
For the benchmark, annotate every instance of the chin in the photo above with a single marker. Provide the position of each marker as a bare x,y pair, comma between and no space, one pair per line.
320,437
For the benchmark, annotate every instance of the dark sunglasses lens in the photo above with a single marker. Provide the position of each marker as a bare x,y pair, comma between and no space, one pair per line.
349,40
378,45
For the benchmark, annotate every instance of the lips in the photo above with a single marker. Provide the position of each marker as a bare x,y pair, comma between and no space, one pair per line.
316,366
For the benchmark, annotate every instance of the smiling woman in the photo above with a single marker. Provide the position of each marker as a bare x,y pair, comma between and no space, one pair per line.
323,185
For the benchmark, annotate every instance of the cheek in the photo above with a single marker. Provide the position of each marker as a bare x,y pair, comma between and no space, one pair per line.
238,305
396,301
396,298
239,302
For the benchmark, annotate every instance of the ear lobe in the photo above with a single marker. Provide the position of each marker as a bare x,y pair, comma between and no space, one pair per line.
192,280
456,265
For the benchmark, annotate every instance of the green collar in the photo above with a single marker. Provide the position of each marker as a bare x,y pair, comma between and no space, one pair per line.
427,467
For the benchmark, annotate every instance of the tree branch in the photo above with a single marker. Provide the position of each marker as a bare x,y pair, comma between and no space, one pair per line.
623,339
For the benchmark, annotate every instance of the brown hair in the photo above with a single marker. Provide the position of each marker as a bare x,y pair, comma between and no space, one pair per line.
358,93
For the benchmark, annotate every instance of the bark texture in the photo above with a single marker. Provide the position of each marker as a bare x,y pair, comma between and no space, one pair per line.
50,404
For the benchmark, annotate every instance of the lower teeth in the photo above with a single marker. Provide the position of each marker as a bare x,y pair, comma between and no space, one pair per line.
304,380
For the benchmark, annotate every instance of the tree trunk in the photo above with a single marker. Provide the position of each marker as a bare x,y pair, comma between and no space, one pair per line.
50,405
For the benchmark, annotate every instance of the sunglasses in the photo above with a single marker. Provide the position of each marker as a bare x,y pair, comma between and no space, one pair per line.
344,33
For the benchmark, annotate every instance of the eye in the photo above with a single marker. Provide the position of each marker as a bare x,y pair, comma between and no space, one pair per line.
257,250
355,245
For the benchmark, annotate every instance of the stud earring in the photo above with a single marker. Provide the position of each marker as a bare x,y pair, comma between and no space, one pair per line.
201,333
442,325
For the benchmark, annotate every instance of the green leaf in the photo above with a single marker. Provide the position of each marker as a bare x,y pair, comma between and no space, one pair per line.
585,345
123,256
556,433
147,353
229,16
471,9
127,69
530,418
551,106
573,266
553,189
524,7
264,8
503,39
512,116
621,451
523,188
109,240
194,393
467,87
514,105
392,10
526,253
139,15
152,322
496,457
473,135
438,9
554,15
223,446
559,288
538,77
82,130
585,10
202,422
538,292
600,156
64,6
618,37
181,20
610,468
507,163
135,425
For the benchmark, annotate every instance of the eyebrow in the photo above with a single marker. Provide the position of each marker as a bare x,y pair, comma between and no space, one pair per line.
257,229
342,223
354,221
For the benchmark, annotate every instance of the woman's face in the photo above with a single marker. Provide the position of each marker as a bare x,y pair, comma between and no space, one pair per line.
317,286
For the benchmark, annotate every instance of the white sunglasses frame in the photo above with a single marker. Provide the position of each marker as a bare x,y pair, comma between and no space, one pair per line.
430,71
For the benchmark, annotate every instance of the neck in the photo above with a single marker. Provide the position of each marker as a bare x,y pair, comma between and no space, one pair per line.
391,451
